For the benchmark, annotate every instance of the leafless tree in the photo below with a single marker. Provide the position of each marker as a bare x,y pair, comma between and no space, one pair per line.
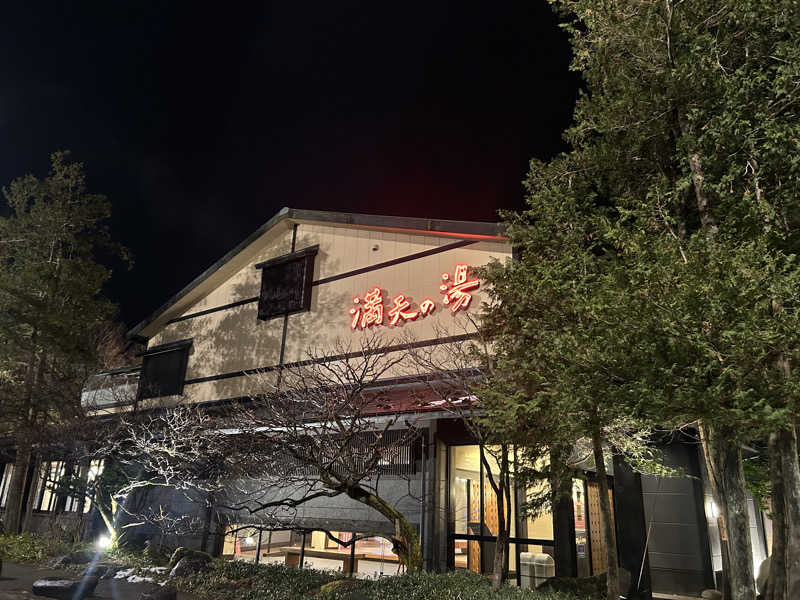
91,464
321,428
456,374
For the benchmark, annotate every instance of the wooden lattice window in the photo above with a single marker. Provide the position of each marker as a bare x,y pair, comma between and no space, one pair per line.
286,283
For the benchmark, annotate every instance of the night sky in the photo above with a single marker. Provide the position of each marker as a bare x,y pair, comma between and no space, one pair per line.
200,123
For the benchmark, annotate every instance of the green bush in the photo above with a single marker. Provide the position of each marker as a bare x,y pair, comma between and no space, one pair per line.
441,586
30,548
132,557
245,581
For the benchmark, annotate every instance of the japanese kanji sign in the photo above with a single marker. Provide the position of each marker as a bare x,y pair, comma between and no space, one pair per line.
455,292
367,311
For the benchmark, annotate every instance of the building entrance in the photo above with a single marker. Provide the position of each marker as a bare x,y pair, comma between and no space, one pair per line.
473,520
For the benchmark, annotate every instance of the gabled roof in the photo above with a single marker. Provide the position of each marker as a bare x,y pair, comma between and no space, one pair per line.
226,267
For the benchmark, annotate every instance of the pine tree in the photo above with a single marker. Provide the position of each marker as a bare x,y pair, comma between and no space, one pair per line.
51,307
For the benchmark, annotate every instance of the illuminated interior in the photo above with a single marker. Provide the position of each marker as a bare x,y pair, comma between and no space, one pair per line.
373,555
474,519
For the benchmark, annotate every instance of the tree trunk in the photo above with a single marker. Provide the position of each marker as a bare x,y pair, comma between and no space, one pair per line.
566,557
724,463
499,569
791,494
15,511
613,587
707,218
209,517
776,584
108,506
16,489
32,497
405,541
108,521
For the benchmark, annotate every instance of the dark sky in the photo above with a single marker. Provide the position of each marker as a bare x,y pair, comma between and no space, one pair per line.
200,123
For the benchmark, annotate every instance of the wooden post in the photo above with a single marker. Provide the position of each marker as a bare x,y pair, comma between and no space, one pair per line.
303,550
258,546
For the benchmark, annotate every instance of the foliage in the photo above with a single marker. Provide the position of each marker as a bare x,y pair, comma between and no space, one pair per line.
658,276
447,586
246,581
682,187
53,316
132,557
51,304
756,474
30,548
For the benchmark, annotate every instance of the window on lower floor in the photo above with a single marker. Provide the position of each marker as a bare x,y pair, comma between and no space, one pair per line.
93,472
473,518
373,555
85,476
55,482
5,483
50,475
246,543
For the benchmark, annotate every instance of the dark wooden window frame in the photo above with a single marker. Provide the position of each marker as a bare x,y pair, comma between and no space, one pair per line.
181,346
267,308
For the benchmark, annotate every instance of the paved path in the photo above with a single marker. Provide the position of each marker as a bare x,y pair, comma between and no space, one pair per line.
16,582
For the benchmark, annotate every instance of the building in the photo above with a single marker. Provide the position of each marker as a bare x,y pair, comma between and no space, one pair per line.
310,278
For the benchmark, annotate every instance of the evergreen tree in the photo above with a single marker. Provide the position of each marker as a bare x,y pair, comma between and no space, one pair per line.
52,311
659,276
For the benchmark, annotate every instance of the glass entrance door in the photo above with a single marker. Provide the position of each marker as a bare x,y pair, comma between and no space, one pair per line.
475,511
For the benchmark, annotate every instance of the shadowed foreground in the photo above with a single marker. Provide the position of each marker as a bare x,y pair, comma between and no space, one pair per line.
16,582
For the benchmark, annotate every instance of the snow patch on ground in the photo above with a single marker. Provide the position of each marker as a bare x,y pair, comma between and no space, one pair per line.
156,569
123,573
127,574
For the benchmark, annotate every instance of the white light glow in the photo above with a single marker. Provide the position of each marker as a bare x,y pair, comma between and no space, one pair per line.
249,541
103,542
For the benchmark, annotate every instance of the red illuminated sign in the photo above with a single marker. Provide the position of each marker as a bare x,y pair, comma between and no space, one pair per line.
369,311
398,311
455,290
426,307
456,294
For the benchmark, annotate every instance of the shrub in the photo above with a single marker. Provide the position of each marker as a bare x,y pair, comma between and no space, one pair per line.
133,557
30,548
442,586
246,581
